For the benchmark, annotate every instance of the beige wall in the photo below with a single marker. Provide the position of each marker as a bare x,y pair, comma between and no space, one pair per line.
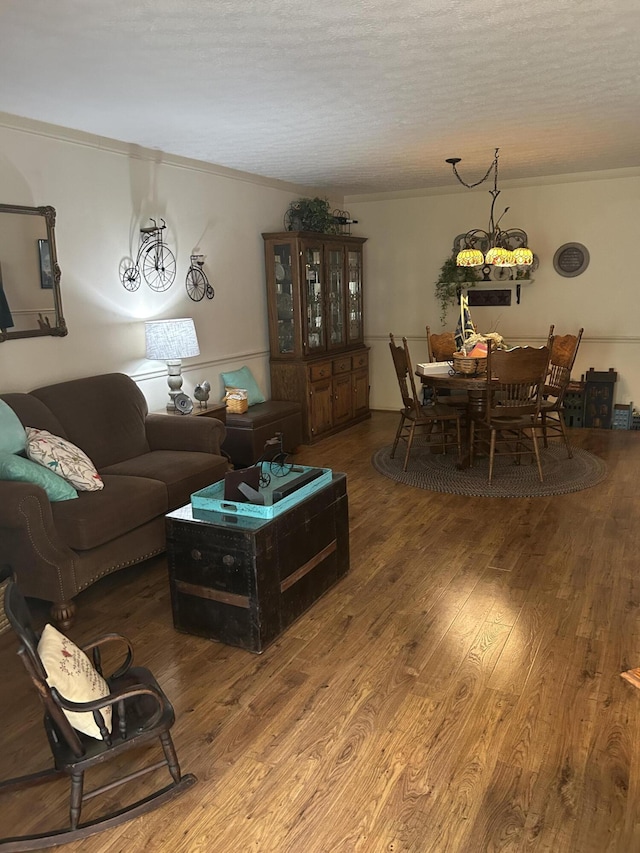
410,237
103,191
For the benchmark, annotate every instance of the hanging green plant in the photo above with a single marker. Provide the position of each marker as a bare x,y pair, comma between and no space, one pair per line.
311,214
449,282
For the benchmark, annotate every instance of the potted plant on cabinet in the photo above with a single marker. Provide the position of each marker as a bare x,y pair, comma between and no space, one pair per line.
311,214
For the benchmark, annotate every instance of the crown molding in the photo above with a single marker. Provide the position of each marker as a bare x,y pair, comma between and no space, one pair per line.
517,183
139,152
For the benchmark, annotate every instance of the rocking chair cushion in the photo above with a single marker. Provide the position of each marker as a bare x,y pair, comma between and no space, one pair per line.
70,671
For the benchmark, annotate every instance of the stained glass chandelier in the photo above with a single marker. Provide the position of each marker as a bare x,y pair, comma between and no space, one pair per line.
494,246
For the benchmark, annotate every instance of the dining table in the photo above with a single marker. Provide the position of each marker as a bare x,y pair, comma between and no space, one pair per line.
441,375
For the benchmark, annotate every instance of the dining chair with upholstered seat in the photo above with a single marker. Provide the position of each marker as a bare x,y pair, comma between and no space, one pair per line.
515,384
434,420
564,349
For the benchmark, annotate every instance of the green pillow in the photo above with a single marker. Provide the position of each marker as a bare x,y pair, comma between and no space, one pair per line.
243,378
19,469
13,438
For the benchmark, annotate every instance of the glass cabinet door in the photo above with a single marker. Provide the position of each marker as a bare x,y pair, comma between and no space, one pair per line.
354,296
335,296
283,278
315,330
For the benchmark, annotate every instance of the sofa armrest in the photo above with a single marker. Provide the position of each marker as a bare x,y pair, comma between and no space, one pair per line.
29,542
16,497
177,432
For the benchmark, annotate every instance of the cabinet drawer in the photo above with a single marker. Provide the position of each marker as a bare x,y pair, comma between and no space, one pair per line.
320,371
342,365
360,360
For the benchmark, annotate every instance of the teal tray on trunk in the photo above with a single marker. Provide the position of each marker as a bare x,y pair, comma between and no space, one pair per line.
211,498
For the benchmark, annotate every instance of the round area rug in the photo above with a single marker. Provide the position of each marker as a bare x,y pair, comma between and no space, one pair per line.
438,473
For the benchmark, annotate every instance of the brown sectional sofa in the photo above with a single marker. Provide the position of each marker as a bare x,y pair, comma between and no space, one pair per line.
150,465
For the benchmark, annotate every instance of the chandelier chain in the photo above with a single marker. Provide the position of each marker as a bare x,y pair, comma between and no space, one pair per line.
494,165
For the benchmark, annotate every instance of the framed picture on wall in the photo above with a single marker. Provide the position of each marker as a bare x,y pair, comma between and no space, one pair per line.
46,273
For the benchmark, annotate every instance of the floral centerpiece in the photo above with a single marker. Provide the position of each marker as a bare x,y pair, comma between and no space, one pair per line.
471,358
493,339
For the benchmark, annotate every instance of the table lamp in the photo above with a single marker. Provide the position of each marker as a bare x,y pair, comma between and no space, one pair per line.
171,341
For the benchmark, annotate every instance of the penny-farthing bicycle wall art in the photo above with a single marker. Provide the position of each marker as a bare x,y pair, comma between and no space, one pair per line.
155,262
196,281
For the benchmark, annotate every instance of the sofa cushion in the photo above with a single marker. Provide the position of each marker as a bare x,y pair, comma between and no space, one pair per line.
243,378
102,415
17,469
64,458
71,672
181,471
12,434
98,517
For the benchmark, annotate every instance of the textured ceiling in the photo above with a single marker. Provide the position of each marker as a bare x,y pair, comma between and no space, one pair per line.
363,97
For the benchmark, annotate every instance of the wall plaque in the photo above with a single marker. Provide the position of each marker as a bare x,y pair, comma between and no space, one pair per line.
489,297
571,259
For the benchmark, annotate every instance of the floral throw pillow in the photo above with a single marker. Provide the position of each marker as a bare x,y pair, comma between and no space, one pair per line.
71,672
64,458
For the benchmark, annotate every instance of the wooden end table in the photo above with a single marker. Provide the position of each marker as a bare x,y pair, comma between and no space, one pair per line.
215,410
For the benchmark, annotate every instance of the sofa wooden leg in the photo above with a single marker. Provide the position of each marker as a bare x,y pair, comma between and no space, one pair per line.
63,613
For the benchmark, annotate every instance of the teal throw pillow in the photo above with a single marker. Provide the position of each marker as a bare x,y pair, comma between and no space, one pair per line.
13,438
243,378
19,469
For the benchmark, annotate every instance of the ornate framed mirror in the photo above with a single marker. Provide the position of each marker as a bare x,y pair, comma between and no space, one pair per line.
30,303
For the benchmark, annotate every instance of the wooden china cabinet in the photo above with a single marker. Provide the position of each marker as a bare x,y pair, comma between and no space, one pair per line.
316,328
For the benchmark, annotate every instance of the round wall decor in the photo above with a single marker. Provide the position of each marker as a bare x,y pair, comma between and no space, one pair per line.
571,259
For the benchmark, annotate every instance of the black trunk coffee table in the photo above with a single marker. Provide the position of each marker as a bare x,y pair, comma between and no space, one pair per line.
243,580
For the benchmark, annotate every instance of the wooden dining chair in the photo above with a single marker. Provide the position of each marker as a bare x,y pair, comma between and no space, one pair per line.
441,347
564,349
515,384
434,419
132,714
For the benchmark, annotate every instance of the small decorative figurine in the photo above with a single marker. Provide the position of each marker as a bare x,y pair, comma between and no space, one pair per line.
201,393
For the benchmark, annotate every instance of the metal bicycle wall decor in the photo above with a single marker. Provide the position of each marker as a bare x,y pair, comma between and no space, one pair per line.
196,282
154,260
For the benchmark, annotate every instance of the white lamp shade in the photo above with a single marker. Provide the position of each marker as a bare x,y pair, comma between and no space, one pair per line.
170,340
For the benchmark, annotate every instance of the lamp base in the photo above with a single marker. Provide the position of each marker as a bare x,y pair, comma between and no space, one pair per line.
174,380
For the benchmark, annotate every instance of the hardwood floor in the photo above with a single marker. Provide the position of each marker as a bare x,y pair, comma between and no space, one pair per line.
458,692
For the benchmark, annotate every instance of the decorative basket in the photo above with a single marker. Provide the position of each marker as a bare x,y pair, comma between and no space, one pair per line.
236,400
469,366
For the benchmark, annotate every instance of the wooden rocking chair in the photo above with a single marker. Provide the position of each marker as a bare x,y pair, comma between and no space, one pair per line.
141,713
